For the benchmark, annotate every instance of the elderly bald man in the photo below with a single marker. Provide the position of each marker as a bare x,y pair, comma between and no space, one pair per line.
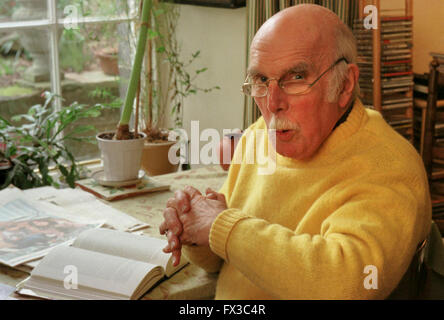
349,196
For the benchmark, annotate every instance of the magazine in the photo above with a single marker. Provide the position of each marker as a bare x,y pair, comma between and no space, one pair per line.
30,229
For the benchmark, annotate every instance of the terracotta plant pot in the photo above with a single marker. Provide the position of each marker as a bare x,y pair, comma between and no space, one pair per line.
121,158
155,158
108,60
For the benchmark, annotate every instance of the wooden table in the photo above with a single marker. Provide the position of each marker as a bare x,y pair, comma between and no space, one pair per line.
189,283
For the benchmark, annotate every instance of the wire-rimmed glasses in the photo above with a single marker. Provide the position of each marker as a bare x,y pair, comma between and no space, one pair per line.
291,87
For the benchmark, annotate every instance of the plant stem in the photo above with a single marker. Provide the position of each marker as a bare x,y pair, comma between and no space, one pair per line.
135,72
149,83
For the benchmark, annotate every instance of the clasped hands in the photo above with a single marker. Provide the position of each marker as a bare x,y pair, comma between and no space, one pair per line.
188,218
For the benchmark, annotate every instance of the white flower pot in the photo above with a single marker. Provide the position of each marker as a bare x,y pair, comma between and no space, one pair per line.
121,158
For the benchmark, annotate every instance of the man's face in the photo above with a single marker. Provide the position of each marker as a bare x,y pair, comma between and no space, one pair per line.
309,117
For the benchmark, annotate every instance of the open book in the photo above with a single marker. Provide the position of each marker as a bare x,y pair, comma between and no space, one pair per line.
101,264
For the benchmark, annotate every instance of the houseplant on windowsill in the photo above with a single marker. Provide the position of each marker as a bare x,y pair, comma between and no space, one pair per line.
121,151
167,82
36,144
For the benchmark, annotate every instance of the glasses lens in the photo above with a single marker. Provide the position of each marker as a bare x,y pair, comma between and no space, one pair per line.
254,90
294,87
246,88
258,90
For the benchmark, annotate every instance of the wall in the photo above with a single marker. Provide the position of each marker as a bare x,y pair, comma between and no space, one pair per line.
428,26
220,35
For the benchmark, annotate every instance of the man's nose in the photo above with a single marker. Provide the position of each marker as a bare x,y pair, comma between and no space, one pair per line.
276,98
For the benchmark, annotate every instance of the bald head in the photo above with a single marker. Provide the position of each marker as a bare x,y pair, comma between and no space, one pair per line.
301,71
306,26
310,31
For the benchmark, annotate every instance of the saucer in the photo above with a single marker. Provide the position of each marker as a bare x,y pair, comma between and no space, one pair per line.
99,177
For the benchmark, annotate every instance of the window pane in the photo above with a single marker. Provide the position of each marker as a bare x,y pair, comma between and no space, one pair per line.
22,10
24,72
25,62
94,72
103,8
92,64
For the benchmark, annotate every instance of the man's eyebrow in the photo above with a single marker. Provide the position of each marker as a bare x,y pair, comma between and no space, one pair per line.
299,67
252,72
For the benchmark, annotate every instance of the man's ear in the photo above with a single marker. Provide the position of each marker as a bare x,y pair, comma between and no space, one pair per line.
348,85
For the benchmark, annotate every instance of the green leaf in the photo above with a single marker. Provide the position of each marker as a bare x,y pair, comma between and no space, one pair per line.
4,121
10,151
19,117
158,12
63,170
152,34
201,70
92,113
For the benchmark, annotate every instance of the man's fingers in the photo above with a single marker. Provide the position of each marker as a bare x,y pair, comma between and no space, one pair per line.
221,197
173,243
213,195
163,227
176,257
182,201
192,192
171,222
174,247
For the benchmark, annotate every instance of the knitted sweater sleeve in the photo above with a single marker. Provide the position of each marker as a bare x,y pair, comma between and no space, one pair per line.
376,225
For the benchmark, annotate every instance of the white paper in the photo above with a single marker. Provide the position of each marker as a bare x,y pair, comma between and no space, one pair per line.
83,204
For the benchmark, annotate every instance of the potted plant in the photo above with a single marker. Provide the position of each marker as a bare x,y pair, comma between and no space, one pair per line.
167,81
121,151
108,60
36,143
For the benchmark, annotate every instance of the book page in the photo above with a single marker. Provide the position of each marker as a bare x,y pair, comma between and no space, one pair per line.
127,245
91,271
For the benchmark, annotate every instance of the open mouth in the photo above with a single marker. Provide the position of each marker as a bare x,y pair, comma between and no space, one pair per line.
285,134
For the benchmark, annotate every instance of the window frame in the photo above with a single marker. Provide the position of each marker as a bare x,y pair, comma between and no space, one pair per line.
51,25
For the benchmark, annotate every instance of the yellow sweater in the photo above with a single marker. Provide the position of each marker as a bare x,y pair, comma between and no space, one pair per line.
309,230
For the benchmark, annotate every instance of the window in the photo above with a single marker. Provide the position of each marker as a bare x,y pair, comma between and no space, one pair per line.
78,49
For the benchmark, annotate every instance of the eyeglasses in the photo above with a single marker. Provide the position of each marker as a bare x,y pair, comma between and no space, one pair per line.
290,86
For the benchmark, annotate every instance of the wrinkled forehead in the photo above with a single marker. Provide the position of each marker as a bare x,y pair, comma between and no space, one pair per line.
277,47
274,58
